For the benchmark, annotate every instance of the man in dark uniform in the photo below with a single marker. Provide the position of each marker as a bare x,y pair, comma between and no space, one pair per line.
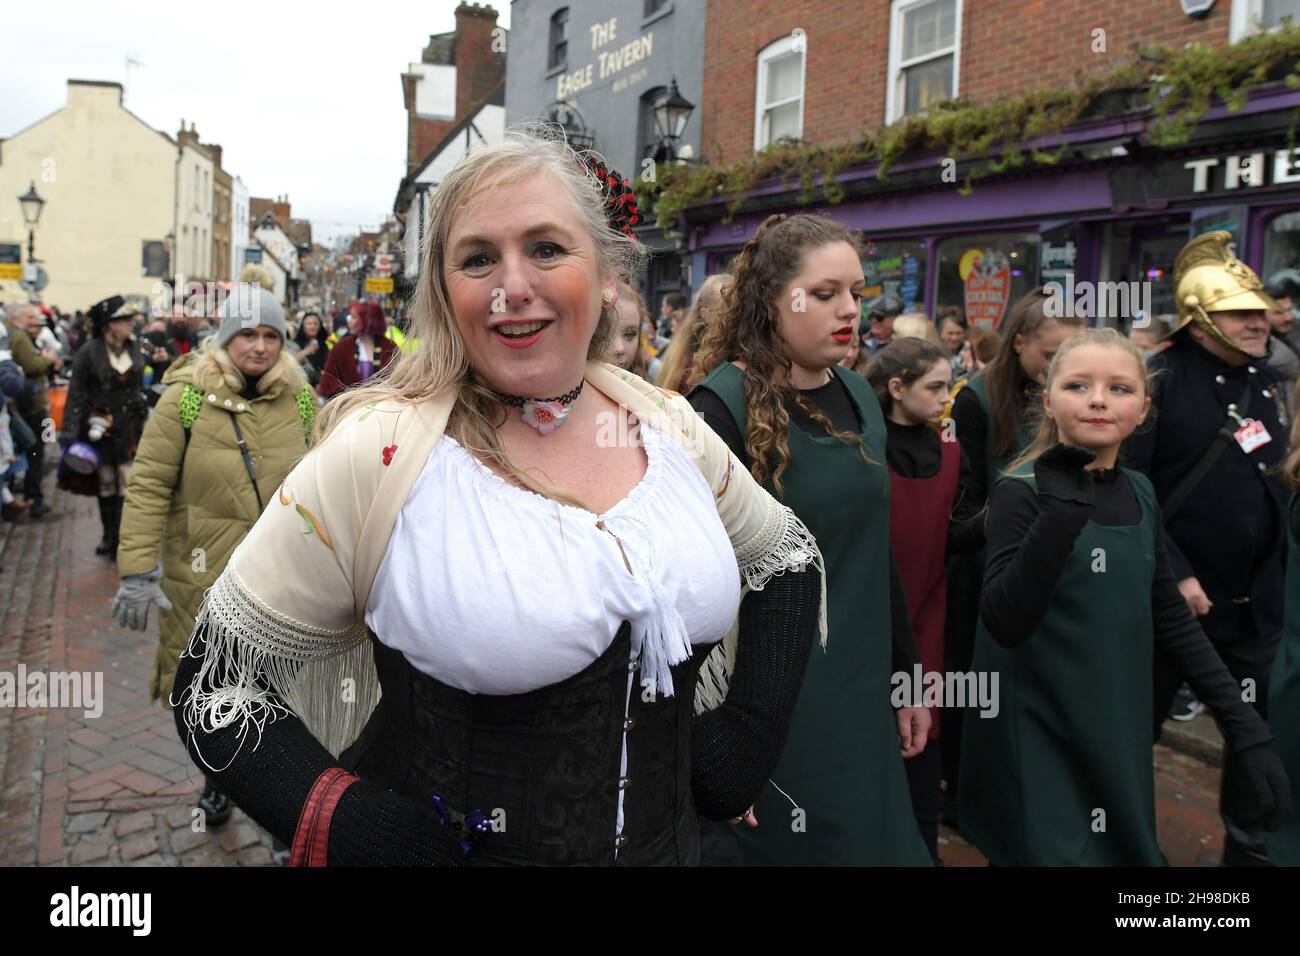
1218,436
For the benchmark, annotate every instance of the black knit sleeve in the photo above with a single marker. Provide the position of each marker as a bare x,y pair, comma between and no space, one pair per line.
1030,538
272,773
735,747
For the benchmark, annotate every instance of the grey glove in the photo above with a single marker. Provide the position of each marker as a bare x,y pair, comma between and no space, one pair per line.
138,591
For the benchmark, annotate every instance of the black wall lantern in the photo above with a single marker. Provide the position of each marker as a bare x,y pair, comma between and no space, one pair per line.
672,112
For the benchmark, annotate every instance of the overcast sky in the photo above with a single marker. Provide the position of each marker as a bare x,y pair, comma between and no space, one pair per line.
304,99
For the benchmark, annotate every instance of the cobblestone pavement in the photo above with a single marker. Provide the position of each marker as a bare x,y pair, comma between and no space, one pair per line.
119,789
112,790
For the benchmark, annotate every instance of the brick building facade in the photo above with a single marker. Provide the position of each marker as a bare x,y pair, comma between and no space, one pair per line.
456,72
1006,47
1117,204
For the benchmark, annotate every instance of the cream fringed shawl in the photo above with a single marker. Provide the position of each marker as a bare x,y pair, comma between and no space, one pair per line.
285,622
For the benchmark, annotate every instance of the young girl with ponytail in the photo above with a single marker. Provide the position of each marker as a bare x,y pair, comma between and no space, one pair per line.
1078,590
813,434
931,517
995,415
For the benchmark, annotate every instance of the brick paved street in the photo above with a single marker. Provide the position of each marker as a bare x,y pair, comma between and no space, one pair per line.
114,790
119,789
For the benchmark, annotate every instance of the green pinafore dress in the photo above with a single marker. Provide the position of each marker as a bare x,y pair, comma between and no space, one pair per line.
1284,705
1063,775
839,794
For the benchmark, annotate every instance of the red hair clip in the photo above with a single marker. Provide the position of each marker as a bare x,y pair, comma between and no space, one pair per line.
620,201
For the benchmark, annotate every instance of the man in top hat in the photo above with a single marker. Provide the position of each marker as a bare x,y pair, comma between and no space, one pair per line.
1212,449
878,321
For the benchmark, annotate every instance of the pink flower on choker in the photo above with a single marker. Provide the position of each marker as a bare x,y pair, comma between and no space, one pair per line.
545,416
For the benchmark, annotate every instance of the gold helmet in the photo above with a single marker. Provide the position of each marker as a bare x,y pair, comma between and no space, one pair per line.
1208,278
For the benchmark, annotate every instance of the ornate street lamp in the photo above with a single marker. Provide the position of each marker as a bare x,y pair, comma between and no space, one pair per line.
32,205
671,111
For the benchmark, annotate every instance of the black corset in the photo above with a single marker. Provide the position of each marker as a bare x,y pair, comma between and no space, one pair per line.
545,763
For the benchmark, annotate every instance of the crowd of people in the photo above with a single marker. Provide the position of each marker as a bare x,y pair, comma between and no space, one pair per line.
440,618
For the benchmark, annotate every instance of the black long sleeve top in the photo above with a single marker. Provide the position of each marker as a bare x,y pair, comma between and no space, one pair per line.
1030,540
913,451
834,401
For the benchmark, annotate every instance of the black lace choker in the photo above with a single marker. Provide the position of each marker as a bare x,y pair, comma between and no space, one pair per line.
517,401
544,414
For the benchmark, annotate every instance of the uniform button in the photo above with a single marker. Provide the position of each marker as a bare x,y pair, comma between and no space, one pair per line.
620,841
624,782
634,665
212,398
227,403
1261,466
239,407
629,724
1220,379
1252,370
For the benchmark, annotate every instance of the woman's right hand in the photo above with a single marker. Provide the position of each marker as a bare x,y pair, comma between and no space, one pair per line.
1195,596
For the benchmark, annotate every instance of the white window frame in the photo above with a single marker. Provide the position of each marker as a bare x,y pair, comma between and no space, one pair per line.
895,93
1241,24
782,47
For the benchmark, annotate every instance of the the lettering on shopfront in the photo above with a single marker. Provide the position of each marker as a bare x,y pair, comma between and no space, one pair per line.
1234,172
608,62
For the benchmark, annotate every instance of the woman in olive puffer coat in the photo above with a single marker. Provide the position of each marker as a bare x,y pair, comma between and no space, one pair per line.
191,499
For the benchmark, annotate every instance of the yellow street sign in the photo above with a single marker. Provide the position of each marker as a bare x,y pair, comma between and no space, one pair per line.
379,285
11,271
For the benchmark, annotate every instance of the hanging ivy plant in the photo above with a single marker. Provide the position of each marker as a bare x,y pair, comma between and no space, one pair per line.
1178,87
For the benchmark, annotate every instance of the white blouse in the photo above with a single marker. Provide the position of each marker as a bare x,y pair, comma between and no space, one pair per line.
493,589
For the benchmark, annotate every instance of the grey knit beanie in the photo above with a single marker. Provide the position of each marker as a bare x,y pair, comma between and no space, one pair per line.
247,307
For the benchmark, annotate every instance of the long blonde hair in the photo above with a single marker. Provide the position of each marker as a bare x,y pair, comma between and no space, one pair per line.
439,363
1048,433
681,350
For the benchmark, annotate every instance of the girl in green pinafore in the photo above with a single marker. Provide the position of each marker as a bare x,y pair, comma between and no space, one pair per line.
995,419
1284,682
814,435
1077,591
